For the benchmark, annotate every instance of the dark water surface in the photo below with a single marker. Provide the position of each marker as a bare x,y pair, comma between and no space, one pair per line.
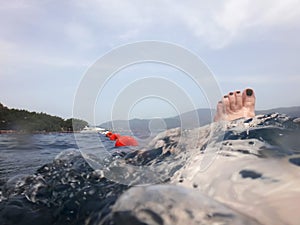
24,153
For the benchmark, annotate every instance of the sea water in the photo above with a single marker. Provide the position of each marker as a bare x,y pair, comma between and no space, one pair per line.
244,172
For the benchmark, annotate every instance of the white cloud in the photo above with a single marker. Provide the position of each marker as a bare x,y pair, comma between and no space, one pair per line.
80,35
14,58
130,34
235,19
260,79
218,23
88,25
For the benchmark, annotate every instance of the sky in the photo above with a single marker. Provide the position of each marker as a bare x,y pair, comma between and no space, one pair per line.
49,47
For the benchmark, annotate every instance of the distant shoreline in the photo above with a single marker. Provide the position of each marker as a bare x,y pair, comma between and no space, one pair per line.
35,132
23,121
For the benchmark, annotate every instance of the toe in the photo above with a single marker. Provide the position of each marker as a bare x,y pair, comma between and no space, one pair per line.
232,101
220,108
248,98
220,112
226,104
239,99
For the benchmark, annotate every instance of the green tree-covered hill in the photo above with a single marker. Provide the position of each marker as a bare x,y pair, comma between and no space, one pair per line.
25,121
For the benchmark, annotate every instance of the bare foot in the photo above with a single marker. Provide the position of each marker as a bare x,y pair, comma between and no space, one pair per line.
236,105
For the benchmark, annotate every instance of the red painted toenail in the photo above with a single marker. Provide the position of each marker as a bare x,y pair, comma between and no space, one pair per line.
225,96
238,92
231,93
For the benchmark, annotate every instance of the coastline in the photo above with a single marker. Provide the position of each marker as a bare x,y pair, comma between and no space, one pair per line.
34,132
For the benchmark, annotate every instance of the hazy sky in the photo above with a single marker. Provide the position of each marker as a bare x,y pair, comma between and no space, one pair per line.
47,47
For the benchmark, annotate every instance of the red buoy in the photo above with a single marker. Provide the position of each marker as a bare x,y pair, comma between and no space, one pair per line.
126,141
108,134
114,137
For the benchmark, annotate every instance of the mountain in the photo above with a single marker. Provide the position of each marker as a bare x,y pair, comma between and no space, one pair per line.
192,119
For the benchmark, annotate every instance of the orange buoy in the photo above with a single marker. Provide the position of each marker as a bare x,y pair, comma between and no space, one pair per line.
126,141
114,137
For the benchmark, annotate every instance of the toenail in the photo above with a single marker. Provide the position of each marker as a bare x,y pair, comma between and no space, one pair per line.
238,92
231,93
249,92
220,102
225,96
